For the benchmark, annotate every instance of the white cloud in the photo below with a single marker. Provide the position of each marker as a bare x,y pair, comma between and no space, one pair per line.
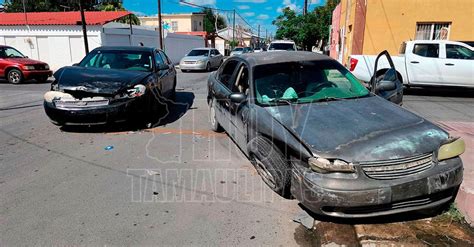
203,2
315,2
249,14
262,17
269,8
290,4
250,1
243,7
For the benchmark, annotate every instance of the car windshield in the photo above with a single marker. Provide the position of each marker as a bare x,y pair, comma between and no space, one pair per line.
282,46
198,53
125,60
9,52
305,82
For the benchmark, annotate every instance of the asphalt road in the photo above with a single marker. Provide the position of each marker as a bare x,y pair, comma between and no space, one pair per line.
175,184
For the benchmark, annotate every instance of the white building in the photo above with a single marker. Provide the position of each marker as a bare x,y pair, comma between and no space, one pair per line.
57,37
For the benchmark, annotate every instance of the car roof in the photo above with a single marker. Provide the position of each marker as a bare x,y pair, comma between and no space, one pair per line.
125,48
203,48
284,41
255,59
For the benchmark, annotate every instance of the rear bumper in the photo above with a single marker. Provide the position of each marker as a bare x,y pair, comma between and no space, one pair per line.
115,112
31,74
363,197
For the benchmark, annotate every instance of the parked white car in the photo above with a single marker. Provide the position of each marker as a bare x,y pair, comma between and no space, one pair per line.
282,45
423,63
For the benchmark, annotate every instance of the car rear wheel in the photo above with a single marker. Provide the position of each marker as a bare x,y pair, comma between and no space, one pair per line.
271,165
15,76
208,67
215,126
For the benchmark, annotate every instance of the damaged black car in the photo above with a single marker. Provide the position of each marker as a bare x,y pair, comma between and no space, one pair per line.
315,133
112,84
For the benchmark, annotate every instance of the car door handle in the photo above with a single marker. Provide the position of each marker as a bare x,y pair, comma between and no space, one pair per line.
449,64
414,62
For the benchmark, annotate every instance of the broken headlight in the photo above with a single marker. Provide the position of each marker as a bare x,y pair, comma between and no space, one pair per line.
453,148
323,165
136,91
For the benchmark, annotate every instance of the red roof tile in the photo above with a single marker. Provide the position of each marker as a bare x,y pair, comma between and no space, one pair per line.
60,18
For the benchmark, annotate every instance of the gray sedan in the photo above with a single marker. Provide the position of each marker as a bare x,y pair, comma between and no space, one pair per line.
201,59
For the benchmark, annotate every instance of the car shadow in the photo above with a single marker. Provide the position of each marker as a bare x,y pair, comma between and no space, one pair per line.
455,92
170,111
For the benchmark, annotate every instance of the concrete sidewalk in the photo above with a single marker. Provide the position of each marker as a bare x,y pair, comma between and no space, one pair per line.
465,198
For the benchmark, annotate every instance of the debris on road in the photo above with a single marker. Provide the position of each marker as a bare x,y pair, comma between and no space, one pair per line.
304,219
108,148
152,173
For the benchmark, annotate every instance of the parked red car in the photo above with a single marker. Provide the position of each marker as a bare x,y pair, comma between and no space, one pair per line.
16,68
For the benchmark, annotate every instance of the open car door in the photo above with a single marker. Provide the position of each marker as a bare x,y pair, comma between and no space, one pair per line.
387,84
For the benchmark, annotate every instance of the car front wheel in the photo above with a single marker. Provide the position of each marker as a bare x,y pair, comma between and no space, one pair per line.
15,76
271,164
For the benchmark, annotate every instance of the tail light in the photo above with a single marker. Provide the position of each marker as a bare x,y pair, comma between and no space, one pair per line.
353,62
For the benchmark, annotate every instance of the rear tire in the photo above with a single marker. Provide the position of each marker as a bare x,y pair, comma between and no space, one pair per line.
14,76
208,67
215,126
271,165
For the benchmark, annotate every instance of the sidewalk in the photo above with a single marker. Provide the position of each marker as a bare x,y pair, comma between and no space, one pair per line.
465,198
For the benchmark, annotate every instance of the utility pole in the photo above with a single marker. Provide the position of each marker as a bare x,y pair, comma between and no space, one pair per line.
233,32
258,38
159,25
305,8
84,27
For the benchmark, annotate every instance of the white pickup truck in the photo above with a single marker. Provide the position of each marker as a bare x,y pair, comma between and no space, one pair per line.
423,63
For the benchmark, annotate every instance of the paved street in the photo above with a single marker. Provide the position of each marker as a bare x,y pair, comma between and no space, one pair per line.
175,184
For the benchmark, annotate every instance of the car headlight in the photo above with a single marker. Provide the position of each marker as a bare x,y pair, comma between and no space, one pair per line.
136,91
46,66
323,165
29,67
200,61
453,148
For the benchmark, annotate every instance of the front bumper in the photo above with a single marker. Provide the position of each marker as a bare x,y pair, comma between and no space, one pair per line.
196,66
361,197
32,74
115,112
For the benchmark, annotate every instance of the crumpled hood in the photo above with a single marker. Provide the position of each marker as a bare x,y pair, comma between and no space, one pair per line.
365,129
25,61
96,80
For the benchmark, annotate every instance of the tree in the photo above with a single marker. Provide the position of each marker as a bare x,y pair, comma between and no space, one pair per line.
68,5
307,29
210,21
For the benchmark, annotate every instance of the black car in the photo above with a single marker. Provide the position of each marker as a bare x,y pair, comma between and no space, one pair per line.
111,84
314,132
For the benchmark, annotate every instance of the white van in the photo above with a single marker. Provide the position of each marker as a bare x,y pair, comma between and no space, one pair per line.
282,45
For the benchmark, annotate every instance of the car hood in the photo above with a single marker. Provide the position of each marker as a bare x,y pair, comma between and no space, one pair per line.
96,80
366,129
25,61
194,58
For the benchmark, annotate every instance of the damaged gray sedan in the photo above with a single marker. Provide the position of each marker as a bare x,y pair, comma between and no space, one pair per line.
315,133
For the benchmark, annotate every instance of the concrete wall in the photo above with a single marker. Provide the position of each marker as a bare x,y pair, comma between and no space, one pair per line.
177,45
57,45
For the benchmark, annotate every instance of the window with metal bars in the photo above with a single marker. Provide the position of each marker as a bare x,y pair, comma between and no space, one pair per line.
432,31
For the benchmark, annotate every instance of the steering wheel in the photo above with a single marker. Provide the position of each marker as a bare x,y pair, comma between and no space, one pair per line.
277,91
11,55
316,87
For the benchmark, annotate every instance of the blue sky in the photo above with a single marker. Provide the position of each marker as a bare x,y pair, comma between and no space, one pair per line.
254,12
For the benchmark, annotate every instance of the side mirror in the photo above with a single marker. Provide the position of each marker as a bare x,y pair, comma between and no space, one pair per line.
385,86
162,66
237,97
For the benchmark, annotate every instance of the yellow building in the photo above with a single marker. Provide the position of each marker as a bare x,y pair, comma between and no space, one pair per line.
193,22
371,26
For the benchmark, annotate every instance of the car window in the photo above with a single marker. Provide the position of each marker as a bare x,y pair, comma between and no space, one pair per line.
217,52
241,84
199,53
118,59
459,52
305,82
158,59
227,72
9,52
282,46
426,50
165,58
